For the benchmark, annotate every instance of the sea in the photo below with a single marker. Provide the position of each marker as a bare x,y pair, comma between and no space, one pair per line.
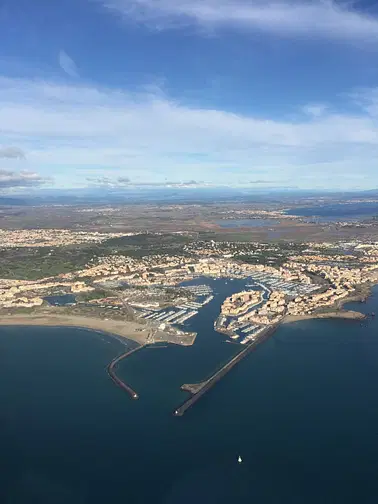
301,411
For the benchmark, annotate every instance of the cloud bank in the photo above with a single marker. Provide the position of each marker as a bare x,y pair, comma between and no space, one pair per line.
10,179
306,18
76,132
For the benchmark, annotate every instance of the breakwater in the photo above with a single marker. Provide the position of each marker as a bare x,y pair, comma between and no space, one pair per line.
199,389
111,372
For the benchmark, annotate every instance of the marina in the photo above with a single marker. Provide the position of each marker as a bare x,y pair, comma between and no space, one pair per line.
181,313
268,281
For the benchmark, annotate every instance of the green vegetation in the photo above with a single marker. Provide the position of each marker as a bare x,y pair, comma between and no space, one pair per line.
146,244
38,262
34,263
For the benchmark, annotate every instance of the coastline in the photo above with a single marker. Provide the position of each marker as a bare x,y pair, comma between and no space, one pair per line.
342,314
127,330
339,312
198,389
142,334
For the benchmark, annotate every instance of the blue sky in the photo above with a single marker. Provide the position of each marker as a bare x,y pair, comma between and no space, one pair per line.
133,92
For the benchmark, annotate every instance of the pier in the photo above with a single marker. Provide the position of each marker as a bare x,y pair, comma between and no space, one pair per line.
111,372
199,389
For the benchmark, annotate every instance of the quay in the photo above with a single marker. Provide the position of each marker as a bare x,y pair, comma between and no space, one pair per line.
199,389
111,372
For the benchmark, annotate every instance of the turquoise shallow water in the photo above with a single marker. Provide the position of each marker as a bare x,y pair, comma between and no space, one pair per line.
302,410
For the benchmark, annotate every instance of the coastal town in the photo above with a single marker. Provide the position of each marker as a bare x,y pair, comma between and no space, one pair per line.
152,289
155,288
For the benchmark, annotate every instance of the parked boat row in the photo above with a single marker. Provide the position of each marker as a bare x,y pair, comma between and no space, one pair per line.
252,337
185,317
289,287
190,305
199,290
182,312
171,316
207,300
249,328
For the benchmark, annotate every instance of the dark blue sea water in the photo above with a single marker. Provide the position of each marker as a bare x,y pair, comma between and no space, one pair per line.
302,411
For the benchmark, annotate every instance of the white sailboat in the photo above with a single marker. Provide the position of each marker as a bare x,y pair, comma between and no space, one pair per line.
240,459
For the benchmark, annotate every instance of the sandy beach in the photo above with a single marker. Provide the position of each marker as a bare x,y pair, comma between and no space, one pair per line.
125,329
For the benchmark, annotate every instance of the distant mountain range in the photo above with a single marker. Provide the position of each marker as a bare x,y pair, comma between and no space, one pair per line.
204,195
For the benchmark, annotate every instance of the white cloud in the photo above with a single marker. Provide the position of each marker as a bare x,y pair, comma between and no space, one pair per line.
76,132
10,179
324,18
67,64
